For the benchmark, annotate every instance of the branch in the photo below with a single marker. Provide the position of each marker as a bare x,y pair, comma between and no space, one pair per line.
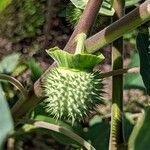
15,82
117,29
116,130
86,21
120,71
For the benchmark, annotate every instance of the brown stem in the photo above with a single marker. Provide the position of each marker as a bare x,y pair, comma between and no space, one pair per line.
86,22
120,71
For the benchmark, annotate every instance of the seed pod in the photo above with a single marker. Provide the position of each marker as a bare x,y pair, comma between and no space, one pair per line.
72,90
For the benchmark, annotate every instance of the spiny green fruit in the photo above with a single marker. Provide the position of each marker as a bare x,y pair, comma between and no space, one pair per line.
72,89
72,93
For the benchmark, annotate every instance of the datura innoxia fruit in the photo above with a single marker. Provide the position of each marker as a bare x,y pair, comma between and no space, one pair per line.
72,89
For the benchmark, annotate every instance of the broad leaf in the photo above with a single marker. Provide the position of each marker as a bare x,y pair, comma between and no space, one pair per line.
143,46
98,133
134,80
128,124
36,70
140,136
9,63
6,122
39,114
61,131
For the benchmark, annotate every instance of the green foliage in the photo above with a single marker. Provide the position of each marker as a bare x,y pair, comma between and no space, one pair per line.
39,114
35,69
98,133
4,4
6,122
129,3
9,63
75,10
106,8
134,80
24,19
140,135
143,48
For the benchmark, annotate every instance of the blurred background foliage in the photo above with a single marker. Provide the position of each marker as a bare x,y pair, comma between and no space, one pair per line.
22,19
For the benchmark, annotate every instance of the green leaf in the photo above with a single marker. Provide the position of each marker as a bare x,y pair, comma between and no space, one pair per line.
128,124
106,8
134,80
4,4
6,122
143,44
20,68
79,3
140,136
75,61
36,70
9,63
129,3
39,114
98,133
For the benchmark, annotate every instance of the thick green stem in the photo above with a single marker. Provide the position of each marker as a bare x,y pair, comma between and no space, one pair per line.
117,29
80,43
116,135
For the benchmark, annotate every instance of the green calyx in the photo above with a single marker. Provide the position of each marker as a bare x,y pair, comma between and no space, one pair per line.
74,61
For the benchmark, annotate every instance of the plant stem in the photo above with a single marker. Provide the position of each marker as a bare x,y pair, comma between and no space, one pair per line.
116,134
117,29
120,72
16,83
85,23
80,38
21,108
